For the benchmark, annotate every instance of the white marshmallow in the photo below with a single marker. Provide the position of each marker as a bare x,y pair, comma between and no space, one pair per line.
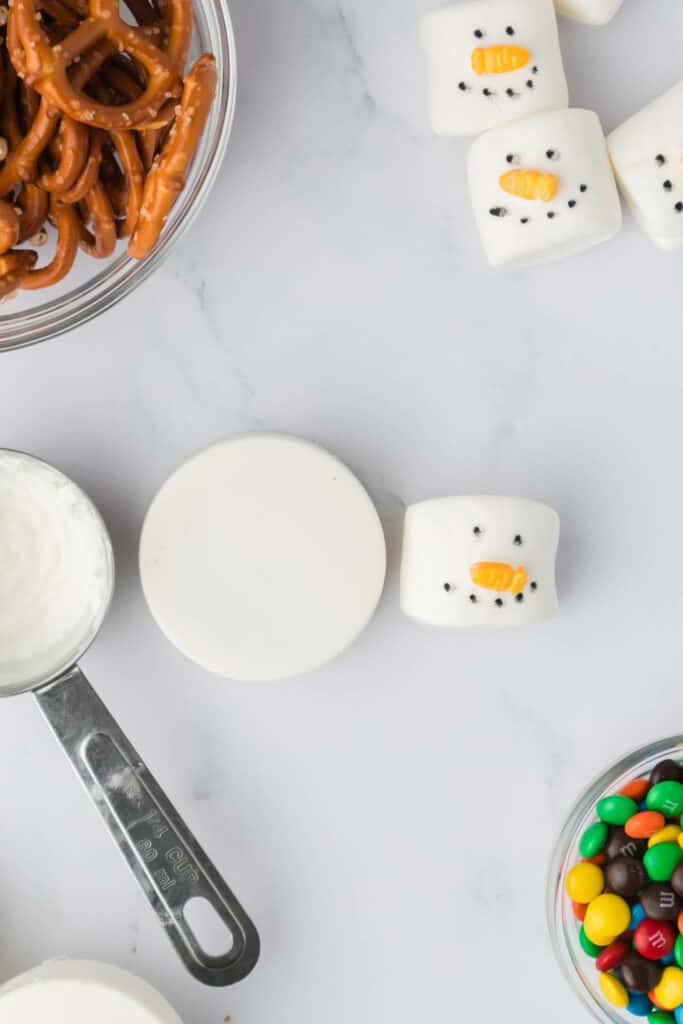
562,152
82,992
479,562
647,154
458,38
592,12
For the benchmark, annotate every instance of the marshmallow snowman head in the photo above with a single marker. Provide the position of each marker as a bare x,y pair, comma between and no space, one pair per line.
479,562
491,61
647,154
543,188
592,12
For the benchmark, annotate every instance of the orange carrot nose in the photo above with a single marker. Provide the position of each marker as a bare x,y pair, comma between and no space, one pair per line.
498,60
498,576
529,184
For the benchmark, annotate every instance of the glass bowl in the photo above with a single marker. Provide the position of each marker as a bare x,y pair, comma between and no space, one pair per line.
578,968
93,285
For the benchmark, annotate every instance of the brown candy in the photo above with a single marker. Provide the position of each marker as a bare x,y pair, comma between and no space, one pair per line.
660,902
639,974
626,876
677,880
621,845
667,771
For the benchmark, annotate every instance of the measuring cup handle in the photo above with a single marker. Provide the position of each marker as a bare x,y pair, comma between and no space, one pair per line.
162,853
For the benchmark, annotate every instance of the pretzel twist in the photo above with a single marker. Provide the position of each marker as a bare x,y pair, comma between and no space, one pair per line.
68,236
47,65
14,265
166,179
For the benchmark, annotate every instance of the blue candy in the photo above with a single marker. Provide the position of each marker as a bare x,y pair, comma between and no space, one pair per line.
637,915
667,960
640,1006
678,1014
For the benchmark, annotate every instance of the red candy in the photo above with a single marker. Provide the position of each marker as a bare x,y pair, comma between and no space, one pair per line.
612,956
654,939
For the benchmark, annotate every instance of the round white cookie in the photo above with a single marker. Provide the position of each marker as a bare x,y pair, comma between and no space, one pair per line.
262,557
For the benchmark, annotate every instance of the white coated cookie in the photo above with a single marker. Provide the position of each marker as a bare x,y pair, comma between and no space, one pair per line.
592,12
647,154
491,61
479,562
543,188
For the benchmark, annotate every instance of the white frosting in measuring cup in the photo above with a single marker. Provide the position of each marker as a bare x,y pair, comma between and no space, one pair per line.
55,571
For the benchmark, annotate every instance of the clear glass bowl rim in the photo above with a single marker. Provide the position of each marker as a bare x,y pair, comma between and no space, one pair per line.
559,917
122,275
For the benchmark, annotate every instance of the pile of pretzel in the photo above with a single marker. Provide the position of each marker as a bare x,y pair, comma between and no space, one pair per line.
98,127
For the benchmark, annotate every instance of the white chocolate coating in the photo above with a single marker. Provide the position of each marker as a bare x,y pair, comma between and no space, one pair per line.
463,102
585,211
591,12
446,539
82,992
55,571
647,154
262,557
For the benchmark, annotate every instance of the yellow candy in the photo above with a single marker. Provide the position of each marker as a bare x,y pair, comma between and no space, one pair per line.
668,834
669,992
584,882
607,915
613,991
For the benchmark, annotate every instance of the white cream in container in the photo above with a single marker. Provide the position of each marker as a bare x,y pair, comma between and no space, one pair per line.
82,992
56,571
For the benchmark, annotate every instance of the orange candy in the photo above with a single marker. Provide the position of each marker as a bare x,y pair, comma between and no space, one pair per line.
680,922
581,908
637,789
644,824
599,858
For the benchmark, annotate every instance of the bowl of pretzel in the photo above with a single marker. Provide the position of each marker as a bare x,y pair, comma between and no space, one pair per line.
114,118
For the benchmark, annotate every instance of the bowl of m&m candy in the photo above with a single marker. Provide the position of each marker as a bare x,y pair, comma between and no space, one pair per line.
615,892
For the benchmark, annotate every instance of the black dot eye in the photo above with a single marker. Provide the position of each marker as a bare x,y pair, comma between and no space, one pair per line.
447,587
519,598
534,70
660,159
462,86
524,220
477,531
518,539
667,185
552,154
529,84
511,158
487,92
510,30
534,586
499,602
473,598
678,207
478,33
510,93
498,211
583,188
550,215
571,204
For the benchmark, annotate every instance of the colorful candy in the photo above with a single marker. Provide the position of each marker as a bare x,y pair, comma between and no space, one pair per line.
584,882
627,895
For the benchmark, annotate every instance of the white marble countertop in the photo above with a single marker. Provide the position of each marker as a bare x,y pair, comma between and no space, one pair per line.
388,820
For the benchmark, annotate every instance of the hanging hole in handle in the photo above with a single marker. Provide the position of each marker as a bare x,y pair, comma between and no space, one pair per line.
209,928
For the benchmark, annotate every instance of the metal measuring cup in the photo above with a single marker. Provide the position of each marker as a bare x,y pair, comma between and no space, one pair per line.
165,858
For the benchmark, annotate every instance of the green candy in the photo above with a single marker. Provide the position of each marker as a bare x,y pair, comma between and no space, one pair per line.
667,798
616,810
589,948
678,950
593,839
660,861
660,1017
